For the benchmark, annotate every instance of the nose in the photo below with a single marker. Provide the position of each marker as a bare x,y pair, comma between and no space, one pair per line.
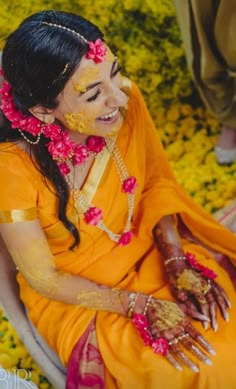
116,98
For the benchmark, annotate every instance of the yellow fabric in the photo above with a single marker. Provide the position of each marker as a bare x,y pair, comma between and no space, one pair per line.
18,215
208,31
128,363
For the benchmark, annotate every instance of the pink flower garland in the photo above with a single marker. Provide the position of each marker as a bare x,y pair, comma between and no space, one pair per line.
61,147
93,216
205,271
160,345
129,185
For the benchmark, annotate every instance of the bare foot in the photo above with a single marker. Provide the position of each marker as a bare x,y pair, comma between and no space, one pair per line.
227,139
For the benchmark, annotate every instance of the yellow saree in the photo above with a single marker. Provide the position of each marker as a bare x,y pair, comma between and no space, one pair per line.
128,363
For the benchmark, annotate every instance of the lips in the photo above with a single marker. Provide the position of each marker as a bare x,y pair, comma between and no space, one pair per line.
110,116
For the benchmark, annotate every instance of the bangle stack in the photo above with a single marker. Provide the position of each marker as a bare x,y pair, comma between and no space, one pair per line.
168,260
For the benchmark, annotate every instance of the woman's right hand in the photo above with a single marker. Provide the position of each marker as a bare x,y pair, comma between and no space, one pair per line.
168,321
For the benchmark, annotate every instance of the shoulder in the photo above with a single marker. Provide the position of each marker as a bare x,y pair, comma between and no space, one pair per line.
21,180
16,160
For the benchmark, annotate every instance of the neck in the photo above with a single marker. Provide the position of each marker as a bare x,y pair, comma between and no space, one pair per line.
77,137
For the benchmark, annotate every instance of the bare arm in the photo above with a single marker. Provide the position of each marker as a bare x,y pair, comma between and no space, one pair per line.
30,251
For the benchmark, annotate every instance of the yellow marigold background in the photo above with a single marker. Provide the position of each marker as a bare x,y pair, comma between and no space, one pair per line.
146,37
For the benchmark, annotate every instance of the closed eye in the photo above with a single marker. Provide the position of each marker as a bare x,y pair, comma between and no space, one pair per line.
116,71
92,98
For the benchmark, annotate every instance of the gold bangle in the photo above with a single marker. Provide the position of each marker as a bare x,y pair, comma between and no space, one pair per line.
148,302
133,299
168,260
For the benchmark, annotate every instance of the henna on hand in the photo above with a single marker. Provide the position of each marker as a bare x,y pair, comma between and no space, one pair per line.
188,285
201,295
168,321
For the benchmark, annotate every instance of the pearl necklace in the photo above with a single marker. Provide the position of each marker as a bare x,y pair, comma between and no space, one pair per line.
93,215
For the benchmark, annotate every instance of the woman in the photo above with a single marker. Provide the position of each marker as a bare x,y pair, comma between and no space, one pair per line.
90,213
208,32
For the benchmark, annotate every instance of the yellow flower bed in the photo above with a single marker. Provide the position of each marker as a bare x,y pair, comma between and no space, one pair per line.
145,35
190,136
14,356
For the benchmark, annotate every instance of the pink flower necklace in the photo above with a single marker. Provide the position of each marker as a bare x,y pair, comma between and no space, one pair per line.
94,215
63,150
61,147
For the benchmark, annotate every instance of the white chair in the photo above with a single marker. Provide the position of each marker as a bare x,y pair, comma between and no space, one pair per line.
42,354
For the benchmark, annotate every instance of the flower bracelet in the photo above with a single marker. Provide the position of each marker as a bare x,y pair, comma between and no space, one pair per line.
194,264
160,345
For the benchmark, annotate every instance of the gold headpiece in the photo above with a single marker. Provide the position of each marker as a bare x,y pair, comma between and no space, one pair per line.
67,29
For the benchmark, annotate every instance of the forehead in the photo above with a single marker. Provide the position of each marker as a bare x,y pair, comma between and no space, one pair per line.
89,72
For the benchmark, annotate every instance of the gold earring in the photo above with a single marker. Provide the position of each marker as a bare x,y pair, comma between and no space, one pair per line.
48,119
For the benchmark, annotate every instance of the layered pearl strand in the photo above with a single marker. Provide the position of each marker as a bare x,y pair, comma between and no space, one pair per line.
83,205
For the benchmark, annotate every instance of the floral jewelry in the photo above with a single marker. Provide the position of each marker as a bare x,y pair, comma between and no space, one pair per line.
94,215
97,50
61,147
205,271
63,150
160,345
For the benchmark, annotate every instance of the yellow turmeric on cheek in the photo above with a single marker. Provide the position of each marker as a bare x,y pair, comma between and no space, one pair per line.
78,122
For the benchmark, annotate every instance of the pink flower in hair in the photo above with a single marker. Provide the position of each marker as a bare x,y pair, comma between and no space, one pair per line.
5,87
95,144
97,51
125,238
93,216
81,154
31,125
1,72
13,116
64,168
160,346
129,185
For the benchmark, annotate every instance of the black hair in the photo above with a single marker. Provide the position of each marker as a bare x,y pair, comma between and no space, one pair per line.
38,60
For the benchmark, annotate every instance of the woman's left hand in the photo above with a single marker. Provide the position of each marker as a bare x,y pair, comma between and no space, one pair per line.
191,283
198,296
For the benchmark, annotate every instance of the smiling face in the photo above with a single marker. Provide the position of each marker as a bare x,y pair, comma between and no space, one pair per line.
91,100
